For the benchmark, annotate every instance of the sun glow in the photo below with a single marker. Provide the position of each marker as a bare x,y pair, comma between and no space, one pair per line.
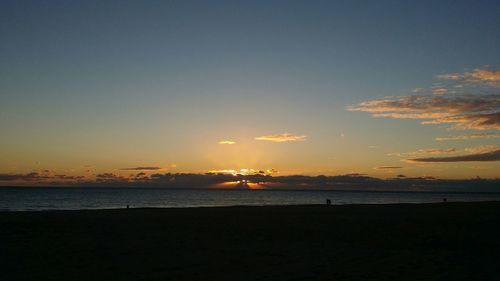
227,142
243,172
240,184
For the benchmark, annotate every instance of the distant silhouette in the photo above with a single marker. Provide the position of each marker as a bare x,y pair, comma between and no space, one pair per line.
445,200
127,206
328,201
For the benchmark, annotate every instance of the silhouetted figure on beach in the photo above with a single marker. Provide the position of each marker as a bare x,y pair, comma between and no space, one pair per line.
328,202
445,200
127,206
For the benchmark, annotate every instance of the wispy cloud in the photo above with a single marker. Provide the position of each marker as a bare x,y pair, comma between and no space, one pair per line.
477,76
42,176
25,177
487,156
482,149
285,137
229,142
426,151
436,151
439,90
388,167
419,90
481,111
478,121
469,136
142,168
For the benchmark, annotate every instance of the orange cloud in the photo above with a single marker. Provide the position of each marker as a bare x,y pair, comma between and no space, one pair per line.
426,151
281,138
480,112
229,142
482,149
477,121
439,90
477,76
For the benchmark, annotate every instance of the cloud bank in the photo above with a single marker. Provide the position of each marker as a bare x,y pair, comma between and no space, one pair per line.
285,137
44,176
215,180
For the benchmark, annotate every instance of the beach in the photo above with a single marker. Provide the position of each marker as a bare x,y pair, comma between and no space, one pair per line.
440,241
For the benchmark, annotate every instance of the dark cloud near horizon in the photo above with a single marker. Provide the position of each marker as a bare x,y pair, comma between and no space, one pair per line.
105,175
26,177
353,181
35,176
486,157
140,168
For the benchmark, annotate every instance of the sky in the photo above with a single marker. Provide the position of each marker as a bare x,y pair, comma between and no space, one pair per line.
381,88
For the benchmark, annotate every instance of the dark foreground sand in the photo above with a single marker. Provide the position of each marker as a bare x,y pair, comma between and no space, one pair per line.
452,241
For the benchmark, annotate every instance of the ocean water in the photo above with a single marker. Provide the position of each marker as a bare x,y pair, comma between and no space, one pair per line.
37,198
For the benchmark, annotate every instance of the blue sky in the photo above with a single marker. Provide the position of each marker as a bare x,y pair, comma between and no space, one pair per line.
110,84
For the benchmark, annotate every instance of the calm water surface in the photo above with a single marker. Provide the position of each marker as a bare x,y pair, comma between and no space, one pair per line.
30,198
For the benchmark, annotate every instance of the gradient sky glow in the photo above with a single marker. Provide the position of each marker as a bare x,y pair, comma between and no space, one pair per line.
89,87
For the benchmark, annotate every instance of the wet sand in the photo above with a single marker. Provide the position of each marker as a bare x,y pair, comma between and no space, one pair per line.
446,241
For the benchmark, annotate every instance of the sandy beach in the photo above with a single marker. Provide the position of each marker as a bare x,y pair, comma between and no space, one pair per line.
445,241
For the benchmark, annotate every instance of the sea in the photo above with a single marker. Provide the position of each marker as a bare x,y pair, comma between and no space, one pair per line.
81,198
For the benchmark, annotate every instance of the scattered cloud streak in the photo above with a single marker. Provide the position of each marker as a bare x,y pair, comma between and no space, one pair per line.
439,90
477,76
142,168
285,137
486,156
388,167
482,149
468,137
480,112
23,177
228,142
478,153
436,151
426,151
44,176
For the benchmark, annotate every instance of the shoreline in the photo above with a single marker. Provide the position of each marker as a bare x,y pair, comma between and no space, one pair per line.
249,206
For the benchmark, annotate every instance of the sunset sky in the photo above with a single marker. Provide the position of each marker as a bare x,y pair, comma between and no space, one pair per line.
287,87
